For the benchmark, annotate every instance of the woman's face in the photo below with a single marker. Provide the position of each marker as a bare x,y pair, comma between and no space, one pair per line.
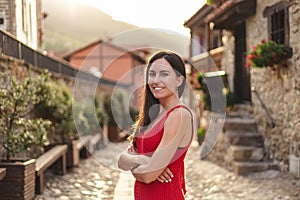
162,79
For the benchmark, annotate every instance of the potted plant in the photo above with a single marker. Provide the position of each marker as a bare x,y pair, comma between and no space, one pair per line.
267,54
201,134
114,116
19,131
58,109
89,118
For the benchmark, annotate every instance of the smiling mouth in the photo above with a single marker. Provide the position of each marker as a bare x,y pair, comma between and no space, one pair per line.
157,88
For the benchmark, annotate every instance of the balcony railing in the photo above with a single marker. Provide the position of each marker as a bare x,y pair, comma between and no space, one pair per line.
209,61
10,46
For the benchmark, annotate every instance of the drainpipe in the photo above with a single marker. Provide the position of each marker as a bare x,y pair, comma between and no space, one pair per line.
12,18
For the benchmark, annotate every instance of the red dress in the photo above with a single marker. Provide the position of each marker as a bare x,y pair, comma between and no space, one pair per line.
147,143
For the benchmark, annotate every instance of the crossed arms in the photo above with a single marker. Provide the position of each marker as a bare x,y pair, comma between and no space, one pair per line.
177,133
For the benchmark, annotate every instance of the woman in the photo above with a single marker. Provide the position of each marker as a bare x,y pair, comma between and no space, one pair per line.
163,132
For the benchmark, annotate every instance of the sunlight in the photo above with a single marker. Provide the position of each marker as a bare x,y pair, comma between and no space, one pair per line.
165,14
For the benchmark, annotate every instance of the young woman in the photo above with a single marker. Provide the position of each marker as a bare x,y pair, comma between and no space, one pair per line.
163,132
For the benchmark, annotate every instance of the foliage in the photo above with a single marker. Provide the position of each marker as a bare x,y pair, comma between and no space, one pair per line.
200,80
229,97
108,111
115,112
266,53
58,109
201,131
99,110
209,2
206,96
134,113
114,109
18,130
89,115
214,2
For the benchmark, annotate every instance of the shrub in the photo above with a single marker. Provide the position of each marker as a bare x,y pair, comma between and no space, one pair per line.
58,109
19,130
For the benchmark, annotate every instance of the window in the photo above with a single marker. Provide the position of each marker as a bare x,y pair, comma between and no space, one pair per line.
216,39
278,22
277,32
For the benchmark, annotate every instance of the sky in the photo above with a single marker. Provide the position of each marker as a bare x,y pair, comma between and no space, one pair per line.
162,14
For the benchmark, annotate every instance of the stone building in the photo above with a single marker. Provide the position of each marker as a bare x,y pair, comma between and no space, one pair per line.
237,26
23,19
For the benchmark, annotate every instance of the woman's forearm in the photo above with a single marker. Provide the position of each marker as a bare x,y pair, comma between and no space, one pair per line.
129,161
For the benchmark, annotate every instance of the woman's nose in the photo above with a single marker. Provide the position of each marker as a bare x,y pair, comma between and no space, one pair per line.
155,79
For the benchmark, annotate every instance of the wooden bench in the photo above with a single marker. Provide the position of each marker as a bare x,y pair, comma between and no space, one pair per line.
83,146
2,173
56,157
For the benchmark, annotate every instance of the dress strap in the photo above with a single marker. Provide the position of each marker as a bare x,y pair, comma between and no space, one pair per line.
179,106
192,121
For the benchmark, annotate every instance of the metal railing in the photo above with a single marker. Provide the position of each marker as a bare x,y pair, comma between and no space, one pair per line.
10,46
263,105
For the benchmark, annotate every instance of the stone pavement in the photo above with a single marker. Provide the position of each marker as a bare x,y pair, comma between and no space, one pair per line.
205,181
124,187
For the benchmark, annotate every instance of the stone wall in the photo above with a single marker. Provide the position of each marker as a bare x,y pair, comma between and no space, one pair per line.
5,13
280,94
227,62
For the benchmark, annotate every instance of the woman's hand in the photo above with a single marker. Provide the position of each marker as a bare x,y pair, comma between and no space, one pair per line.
166,176
130,149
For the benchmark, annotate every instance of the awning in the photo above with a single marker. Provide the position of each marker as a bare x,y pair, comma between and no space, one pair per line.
231,13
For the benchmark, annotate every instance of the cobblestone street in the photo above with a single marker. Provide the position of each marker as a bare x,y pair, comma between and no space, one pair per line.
205,180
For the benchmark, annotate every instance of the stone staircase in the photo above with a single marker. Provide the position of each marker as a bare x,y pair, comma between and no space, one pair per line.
246,146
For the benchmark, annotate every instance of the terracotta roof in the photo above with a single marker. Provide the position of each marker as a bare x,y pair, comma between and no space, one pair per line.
231,12
198,16
220,10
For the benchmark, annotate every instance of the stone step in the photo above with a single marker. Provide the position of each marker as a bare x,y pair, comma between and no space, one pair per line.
241,124
243,168
244,138
245,153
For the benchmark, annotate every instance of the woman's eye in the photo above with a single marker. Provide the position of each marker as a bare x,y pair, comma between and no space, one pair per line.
164,74
151,74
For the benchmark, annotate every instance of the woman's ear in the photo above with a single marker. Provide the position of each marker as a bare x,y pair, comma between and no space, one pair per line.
179,81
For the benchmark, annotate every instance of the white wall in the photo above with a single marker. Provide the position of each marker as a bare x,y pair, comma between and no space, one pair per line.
27,32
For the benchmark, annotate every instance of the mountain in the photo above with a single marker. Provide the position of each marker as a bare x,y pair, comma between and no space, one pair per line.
71,25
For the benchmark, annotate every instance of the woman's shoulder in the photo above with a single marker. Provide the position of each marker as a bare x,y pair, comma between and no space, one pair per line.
181,111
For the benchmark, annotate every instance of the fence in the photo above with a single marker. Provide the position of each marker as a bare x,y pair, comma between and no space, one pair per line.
14,48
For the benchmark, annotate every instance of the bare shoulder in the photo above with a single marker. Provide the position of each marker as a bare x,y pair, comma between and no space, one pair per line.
180,114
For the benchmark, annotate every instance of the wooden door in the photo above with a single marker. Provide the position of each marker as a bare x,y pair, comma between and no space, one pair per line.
242,92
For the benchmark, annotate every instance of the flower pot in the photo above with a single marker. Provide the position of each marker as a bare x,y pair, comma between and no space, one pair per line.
19,182
200,139
113,133
294,165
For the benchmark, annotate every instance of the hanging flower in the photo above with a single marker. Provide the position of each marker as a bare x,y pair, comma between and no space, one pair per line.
209,2
267,53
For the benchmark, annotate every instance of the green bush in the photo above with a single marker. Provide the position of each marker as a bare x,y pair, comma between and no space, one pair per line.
58,109
19,130
89,115
206,96
201,131
115,112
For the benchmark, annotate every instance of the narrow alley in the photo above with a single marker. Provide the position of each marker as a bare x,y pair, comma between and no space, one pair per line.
205,180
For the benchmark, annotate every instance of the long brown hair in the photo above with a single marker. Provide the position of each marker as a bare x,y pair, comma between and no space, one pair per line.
150,105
